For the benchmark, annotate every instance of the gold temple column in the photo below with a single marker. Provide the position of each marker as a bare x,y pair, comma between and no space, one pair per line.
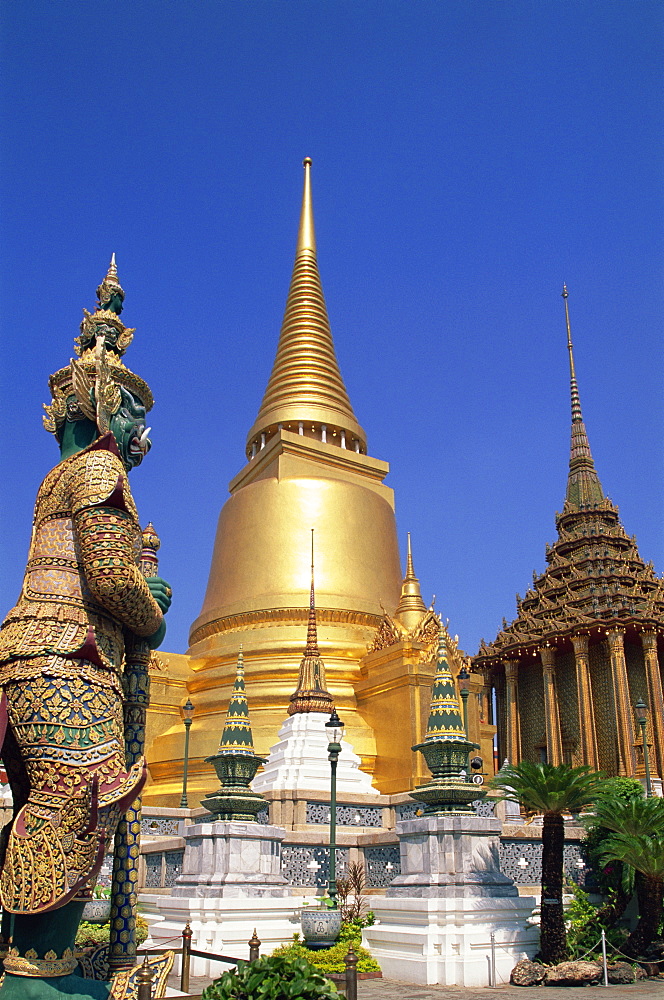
655,696
512,734
622,707
554,743
584,696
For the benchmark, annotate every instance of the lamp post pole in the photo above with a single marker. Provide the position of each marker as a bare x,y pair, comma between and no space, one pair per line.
641,713
463,677
187,711
335,731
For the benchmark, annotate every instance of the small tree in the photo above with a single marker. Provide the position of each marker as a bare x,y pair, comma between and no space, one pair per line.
550,791
616,880
636,840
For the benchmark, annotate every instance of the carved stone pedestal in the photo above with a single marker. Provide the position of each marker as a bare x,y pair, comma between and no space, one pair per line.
436,922
231,859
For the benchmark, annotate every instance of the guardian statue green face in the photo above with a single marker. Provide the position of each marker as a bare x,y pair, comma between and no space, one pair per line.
83,600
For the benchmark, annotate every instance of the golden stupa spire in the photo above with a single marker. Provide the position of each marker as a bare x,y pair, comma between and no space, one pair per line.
311,694
305,392
411,608
583,485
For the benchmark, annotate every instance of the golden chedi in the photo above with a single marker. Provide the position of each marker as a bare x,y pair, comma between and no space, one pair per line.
307,467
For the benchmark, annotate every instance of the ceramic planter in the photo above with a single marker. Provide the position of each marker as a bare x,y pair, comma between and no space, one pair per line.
320,928
97,911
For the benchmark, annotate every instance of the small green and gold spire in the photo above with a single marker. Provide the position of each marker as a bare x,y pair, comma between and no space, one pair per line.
236,737
583,486
445,719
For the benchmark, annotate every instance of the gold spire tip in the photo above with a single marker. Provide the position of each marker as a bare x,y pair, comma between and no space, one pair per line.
307,161
564,291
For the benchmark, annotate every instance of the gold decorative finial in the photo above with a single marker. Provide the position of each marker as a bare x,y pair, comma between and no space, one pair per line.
306,237
583,485
312,634
110,288
306,386
411,608
311,694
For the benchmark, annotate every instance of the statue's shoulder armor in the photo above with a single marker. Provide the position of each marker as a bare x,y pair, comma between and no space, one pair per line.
96,477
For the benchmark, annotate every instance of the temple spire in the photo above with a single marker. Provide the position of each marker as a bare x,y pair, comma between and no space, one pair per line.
583,486
311,694
411,608
445,721
305,392
236,737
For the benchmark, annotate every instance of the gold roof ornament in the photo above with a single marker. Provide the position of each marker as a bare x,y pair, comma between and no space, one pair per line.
583,485
110,286
89,387
411,608
305,388
311,694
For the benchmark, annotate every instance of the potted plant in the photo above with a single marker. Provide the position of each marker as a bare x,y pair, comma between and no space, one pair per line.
321,923
98,909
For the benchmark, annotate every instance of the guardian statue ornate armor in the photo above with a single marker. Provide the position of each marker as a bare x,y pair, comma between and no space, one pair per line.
62,649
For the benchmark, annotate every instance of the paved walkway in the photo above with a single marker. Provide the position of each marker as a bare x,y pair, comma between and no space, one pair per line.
390,989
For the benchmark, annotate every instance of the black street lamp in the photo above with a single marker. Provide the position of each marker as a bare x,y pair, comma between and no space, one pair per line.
464,690
335,731
641,710
187,714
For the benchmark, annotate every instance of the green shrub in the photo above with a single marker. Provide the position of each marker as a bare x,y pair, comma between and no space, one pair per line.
275,977
584,928
330,959
91,935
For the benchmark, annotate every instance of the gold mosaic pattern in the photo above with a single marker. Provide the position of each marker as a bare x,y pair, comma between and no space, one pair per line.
61,651
47,967
607,734
531,710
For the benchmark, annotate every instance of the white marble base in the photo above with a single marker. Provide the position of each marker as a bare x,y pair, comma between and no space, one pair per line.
447,941
299,760
232,859
220,925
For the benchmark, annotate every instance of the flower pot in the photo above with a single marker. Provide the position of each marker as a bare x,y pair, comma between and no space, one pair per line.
97,911
320,928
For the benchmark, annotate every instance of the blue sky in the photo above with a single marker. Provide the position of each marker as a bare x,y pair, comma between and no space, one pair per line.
468,159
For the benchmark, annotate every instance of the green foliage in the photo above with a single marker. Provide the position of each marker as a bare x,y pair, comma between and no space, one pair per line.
276,977
623,812
91,935
331,959
101,892
351,930
584,929
548,788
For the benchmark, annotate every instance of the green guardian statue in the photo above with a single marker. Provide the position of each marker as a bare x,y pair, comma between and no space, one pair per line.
62,648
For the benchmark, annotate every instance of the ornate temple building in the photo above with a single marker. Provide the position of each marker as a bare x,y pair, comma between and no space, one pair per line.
307,466
583,649
559,683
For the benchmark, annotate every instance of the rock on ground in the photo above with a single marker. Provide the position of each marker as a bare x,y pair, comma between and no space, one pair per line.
620,972
526,973
574,974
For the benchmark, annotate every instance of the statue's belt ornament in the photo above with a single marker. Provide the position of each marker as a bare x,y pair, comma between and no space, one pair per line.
47,967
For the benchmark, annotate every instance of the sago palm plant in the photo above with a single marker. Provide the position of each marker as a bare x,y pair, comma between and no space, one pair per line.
637,840
550,790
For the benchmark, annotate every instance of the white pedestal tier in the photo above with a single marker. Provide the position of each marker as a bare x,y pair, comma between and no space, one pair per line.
299,760
448,940
220,925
